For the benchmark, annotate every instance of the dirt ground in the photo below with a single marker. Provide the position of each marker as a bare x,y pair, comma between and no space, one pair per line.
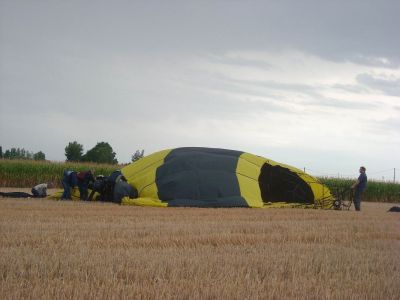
366,206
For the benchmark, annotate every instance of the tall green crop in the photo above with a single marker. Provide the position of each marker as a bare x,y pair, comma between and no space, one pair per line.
27,173
376,190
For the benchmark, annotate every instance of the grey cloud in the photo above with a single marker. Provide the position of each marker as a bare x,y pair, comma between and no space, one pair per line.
394,123
218,94
360,31
388,126
268,89
389,86
352,88
375,61
243,62
341,103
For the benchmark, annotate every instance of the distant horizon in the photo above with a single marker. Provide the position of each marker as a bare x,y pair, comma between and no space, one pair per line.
375,175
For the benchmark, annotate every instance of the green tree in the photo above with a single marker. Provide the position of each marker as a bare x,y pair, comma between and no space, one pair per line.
1,152
17,153
7,154
20,153
39,156
14,153
101,153
138,155
29,155
74,151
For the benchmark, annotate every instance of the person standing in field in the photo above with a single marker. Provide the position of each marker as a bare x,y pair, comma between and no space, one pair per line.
359,187
84,179
69,181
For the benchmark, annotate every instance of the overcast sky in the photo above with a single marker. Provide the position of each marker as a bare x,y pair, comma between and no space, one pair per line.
313,84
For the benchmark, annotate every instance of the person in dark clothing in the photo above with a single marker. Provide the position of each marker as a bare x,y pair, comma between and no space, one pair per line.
98,186
69,181
111,180
123,189
359,187
112,188
84,179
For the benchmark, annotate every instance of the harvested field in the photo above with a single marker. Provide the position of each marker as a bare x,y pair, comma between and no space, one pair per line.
52,249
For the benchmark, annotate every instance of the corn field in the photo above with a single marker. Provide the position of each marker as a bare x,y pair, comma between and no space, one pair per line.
27,173
376,191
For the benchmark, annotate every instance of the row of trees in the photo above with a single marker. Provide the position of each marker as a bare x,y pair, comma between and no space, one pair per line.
101,153
18,153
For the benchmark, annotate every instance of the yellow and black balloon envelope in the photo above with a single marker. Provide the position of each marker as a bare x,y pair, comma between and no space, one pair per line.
211,177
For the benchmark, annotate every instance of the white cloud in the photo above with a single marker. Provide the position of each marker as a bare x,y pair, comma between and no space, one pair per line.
388,84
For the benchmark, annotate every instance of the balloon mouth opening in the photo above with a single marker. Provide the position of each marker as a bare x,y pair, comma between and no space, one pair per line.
279,184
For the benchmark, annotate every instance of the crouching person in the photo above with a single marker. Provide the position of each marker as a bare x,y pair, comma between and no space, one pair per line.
69,181
40,190
84,179
110,182
113,188
123,189
98,187
119,187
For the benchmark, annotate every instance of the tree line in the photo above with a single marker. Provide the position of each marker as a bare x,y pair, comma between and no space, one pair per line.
21,153
101,153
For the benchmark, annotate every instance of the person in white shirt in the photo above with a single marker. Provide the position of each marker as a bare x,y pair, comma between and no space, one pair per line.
40,190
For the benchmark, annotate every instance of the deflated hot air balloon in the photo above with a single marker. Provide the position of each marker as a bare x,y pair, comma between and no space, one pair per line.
210,177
